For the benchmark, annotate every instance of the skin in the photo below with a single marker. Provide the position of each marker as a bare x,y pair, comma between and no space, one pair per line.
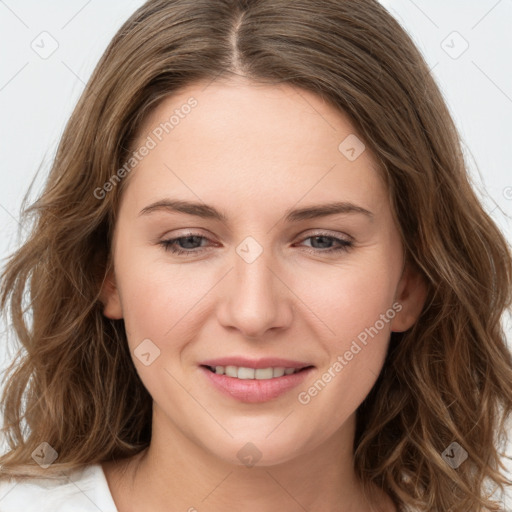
254,151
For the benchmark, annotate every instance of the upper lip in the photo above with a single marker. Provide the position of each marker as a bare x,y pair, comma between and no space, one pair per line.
264,362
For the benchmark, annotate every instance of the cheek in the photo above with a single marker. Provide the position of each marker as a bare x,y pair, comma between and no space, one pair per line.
161,301
360,320
347,298
355,305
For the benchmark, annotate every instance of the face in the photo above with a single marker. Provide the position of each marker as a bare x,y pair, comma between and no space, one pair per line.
261,278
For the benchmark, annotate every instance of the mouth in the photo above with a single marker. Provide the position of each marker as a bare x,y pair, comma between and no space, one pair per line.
247,373
253,381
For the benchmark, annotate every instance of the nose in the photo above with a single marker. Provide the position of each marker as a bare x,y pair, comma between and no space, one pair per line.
255,298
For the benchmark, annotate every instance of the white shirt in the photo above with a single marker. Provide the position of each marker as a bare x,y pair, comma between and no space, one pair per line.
81,490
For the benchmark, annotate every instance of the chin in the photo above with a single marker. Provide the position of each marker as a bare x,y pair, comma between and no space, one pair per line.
259,451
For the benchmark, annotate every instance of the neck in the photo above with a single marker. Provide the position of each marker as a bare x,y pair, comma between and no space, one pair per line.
176,473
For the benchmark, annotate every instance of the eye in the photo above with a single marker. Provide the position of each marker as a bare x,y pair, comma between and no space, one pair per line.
323,238
190,244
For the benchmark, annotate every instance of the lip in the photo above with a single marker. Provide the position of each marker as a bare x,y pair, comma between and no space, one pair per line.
254,390
265,362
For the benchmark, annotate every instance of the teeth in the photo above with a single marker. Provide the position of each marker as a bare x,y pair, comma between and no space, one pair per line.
277,372
261,373
241,372
231,371
245,373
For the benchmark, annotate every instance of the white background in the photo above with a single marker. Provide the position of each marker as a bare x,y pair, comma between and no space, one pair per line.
37,95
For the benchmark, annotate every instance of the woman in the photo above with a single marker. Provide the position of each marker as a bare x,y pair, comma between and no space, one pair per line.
194,344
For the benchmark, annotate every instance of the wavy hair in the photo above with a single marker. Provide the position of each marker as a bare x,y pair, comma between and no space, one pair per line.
447,379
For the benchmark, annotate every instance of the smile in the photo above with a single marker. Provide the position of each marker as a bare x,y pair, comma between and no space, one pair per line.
255,380
243,372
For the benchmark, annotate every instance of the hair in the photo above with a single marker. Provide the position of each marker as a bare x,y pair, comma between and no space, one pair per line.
447,379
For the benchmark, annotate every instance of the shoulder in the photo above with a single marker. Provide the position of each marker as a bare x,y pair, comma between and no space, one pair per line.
81,490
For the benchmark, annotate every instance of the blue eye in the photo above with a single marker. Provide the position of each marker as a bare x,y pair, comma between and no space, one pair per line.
343,245
187,245
189,240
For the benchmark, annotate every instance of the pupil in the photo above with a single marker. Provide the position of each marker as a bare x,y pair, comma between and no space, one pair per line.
184,241
324,238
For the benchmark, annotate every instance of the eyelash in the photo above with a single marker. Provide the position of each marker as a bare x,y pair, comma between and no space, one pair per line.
170,245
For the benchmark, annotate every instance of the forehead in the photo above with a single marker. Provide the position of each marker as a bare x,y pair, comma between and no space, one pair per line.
256,142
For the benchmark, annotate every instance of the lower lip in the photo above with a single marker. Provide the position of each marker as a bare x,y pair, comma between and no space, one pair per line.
255,390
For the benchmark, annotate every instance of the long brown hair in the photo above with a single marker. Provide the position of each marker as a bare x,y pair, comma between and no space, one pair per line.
447,379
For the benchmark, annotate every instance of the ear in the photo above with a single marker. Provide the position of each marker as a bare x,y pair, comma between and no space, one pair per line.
109,297
411,294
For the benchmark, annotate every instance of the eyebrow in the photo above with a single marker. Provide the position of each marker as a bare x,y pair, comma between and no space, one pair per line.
209,212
